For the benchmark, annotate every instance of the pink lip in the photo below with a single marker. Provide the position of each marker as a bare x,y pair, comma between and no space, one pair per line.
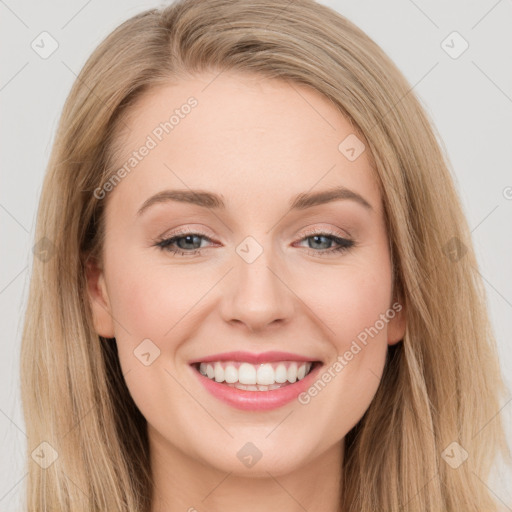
264,357
257,400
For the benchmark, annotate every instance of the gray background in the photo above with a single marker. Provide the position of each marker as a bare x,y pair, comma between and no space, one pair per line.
469,99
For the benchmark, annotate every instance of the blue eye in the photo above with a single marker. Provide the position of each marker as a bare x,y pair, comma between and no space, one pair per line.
178,243
191,238
343,244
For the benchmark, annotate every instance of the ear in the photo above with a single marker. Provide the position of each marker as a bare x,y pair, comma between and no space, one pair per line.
396,325
99,300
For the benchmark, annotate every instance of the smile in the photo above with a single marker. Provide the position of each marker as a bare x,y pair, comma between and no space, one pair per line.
252,377
256,386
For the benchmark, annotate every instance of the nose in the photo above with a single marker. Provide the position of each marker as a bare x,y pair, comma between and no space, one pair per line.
256,294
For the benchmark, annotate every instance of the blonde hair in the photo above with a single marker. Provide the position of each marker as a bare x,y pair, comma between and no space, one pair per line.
441,383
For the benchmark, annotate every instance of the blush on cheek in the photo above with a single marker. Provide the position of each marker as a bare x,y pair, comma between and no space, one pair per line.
141,302
353,309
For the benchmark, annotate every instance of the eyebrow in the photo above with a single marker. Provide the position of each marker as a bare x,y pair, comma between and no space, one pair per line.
211,200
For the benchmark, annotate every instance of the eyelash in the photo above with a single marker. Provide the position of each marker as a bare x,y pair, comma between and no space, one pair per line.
344,244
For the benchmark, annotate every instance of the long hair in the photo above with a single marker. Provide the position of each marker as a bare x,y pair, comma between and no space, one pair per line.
441,383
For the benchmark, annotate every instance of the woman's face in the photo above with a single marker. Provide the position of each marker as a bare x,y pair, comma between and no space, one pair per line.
256,272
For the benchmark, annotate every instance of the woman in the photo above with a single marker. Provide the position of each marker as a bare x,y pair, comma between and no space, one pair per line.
255,368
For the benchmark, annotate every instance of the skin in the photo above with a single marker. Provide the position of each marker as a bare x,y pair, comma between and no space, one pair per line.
258,143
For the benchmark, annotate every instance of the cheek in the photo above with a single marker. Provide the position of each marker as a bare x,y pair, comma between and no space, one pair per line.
150,304
149,300
362,309
355,305
351,301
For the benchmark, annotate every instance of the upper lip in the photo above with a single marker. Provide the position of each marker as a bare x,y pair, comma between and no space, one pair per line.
249,357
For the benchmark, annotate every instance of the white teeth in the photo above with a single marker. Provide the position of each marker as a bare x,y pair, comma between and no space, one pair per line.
292,372
251,377
258,387
265,375
218,372
281,374
230,374
247,374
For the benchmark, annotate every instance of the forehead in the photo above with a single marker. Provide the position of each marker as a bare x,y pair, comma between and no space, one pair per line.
239,134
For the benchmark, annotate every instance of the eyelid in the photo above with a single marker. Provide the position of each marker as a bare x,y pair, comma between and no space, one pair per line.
305,232
343,242
187,230
326,230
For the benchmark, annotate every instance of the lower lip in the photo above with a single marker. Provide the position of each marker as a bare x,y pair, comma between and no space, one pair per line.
257,400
